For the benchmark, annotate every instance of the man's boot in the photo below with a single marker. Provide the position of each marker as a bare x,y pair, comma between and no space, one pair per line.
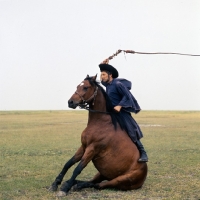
143,154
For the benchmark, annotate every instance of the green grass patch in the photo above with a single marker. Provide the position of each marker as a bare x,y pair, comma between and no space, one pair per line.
34,146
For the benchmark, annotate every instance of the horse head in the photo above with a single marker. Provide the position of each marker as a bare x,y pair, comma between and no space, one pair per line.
84,93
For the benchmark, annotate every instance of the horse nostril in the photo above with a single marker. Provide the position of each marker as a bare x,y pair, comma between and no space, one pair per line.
70,102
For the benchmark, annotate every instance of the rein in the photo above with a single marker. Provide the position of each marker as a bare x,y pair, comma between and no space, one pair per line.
94,111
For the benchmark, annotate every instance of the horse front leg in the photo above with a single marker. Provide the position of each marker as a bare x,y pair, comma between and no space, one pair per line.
87,157
77,157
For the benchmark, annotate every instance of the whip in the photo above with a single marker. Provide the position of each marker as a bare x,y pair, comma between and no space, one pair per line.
106,61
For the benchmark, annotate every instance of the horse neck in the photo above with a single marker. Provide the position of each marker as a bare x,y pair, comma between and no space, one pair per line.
99,105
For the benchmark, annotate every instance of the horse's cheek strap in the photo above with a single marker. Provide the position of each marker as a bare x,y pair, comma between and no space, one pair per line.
81,97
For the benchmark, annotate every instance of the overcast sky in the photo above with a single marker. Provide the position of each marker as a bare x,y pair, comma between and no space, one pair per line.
47,47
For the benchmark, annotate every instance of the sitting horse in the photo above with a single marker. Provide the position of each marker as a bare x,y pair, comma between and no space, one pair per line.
105,143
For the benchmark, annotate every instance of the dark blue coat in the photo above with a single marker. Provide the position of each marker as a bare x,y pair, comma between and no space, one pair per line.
119,94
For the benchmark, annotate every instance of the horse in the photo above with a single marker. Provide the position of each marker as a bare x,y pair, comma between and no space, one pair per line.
105,142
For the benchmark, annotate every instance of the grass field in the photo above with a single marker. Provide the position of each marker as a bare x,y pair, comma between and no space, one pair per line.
34,146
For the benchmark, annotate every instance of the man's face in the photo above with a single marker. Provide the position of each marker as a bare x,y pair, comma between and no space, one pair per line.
105,77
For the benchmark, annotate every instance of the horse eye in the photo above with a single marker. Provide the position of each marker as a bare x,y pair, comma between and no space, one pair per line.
85,88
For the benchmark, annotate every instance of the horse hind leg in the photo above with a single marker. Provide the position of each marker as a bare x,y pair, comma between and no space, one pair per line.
89,184
98,178
83,184
124,182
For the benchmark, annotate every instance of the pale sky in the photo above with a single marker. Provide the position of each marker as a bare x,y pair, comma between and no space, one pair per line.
47,47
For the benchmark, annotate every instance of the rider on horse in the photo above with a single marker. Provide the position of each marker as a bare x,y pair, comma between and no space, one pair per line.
124,103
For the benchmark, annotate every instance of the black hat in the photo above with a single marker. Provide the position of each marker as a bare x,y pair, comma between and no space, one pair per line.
109,68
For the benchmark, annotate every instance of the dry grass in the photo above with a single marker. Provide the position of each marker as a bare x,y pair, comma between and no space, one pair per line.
35,145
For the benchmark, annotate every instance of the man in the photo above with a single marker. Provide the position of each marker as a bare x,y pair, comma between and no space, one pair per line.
124,103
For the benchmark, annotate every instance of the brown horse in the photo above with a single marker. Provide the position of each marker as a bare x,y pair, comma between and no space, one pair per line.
105,143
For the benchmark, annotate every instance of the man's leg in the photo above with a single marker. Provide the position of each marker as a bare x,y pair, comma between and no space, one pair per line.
143,154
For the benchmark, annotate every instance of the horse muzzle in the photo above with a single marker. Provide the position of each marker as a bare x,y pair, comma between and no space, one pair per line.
72,104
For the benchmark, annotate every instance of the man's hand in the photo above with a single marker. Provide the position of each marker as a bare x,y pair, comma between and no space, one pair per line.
117,108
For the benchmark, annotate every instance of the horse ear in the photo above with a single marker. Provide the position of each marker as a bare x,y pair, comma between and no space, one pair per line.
87,76
94,77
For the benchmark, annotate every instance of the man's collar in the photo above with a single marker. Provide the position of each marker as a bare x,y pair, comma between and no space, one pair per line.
111,82
106,84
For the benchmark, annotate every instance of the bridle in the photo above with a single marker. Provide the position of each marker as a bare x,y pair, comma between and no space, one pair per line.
85,103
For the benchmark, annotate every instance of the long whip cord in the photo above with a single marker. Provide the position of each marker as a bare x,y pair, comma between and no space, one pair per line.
106,61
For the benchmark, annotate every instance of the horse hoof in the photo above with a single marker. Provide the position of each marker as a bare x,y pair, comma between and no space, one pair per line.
53,188
61,194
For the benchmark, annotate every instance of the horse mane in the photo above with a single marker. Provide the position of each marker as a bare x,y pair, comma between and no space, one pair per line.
109,106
